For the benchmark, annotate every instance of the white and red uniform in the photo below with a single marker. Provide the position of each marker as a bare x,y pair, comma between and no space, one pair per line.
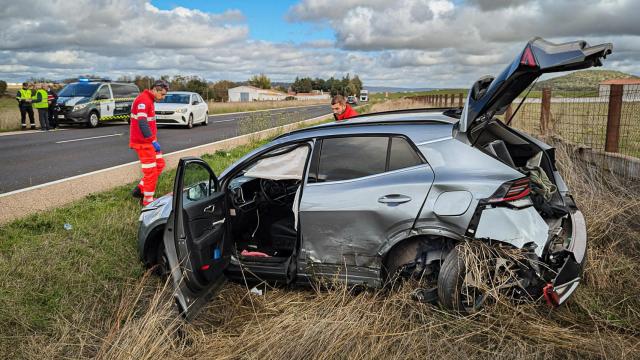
143,132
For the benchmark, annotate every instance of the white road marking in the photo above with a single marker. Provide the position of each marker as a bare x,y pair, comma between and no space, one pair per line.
89,138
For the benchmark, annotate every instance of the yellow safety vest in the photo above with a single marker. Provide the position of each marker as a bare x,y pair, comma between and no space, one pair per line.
44,101
25,94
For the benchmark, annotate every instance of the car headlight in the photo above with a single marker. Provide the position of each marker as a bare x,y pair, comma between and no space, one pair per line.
181,110
80,107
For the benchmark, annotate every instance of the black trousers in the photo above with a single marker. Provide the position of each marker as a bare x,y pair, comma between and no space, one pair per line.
53,122
23,116
43,115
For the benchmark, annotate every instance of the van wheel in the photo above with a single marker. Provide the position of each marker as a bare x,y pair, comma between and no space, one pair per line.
206,119
93,120
190,122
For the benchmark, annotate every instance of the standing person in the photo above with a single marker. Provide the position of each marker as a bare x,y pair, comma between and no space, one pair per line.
143,140
24,103
52,98
341,110
41,102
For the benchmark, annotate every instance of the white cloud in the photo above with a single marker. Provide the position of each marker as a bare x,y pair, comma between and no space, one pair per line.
395,43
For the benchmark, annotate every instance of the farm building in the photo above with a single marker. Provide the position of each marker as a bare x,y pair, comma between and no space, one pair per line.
252,93
629,86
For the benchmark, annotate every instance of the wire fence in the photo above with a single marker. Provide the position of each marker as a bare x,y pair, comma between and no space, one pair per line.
606,127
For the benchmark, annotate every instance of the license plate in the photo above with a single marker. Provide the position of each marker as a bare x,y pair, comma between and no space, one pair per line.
60,116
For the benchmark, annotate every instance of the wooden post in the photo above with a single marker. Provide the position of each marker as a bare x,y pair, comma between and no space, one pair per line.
507,113
460,101
439,100
446,99
613,118
545,111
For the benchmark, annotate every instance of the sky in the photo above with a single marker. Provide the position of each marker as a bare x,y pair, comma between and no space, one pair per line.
403,43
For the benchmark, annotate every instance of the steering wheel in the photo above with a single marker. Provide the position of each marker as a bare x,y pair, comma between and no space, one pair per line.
273,191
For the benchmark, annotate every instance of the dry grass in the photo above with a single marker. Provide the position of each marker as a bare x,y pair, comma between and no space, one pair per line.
395,104
229,107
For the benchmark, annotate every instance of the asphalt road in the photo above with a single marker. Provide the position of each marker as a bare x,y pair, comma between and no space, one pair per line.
36,158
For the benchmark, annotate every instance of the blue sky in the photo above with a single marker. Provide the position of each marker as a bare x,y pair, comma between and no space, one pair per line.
266,19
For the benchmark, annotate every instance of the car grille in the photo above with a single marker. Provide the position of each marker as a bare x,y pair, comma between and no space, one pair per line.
164,112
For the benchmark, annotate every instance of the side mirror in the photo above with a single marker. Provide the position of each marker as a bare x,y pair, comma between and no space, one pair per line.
195,102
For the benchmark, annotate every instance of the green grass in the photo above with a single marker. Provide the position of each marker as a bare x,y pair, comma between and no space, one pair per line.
48,273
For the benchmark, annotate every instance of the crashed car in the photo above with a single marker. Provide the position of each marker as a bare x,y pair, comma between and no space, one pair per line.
380,195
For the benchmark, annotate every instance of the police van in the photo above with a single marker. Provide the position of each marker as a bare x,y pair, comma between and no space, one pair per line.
91,101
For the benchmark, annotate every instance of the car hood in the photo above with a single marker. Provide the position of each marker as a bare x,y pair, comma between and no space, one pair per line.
489,96
169,106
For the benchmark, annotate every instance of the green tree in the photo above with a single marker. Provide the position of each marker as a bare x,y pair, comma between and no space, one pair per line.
3,87
220,90
261,81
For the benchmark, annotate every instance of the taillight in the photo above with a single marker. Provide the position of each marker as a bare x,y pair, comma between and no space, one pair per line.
527,58
510,191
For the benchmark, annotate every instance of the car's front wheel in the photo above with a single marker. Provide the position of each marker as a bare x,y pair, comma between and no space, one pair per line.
162,262
93,120
190,122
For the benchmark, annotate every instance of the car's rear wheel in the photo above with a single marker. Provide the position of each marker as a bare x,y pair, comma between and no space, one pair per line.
93,120
190,122
455,290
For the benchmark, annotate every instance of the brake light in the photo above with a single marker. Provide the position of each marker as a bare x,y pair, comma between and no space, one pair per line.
527,58
510,191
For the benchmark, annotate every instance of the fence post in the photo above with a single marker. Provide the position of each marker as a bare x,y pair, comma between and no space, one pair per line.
446,99
508,113
613,118
545,111
440,100
460,103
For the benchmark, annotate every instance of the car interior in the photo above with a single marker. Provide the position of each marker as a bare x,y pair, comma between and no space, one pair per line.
497,141
264,199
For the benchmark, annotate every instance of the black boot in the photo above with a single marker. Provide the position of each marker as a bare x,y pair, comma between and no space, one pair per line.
137,193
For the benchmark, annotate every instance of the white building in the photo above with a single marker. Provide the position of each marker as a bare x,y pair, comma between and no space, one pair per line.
252,93
630,87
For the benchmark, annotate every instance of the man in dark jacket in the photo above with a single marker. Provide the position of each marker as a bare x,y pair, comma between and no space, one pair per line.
24,97
52,98
341,110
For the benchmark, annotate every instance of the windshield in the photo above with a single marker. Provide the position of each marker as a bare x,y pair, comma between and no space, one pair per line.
78,89
176,99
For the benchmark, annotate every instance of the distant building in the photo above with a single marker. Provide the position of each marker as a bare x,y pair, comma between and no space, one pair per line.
629,86
252,93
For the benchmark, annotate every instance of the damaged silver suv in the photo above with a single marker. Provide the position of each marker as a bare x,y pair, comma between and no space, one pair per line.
382,195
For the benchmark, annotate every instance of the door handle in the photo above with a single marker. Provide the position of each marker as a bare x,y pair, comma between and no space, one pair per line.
209,209
394,199
219,222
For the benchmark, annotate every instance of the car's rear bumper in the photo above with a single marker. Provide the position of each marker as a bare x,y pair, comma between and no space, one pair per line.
570,274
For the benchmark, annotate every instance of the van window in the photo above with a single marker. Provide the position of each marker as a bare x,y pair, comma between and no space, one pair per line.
103,93
124,90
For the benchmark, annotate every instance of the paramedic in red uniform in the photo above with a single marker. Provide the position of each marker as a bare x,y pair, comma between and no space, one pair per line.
144,141
341,110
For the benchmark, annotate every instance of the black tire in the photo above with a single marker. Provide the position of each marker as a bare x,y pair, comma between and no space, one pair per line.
451,283
161,268
93,120
206,119
190,122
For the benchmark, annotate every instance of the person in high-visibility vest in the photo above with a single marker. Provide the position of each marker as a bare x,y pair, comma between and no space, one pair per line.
142,139
24,103
41,102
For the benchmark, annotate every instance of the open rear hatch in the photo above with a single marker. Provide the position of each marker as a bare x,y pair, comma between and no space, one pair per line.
489,96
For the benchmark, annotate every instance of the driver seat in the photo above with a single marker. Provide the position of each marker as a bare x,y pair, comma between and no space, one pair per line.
283,234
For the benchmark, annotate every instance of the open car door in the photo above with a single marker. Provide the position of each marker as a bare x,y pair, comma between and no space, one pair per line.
489,96
195,237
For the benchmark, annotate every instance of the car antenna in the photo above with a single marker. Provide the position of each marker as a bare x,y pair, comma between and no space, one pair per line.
521,102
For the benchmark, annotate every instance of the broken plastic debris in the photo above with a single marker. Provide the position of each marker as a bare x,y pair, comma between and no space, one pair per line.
256,291
67,226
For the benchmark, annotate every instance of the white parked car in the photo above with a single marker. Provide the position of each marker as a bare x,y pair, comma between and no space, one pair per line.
182,108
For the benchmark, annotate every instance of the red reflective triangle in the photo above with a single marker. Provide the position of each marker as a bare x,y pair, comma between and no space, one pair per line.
527,58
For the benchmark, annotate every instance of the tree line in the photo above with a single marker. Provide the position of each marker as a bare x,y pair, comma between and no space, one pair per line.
218,91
